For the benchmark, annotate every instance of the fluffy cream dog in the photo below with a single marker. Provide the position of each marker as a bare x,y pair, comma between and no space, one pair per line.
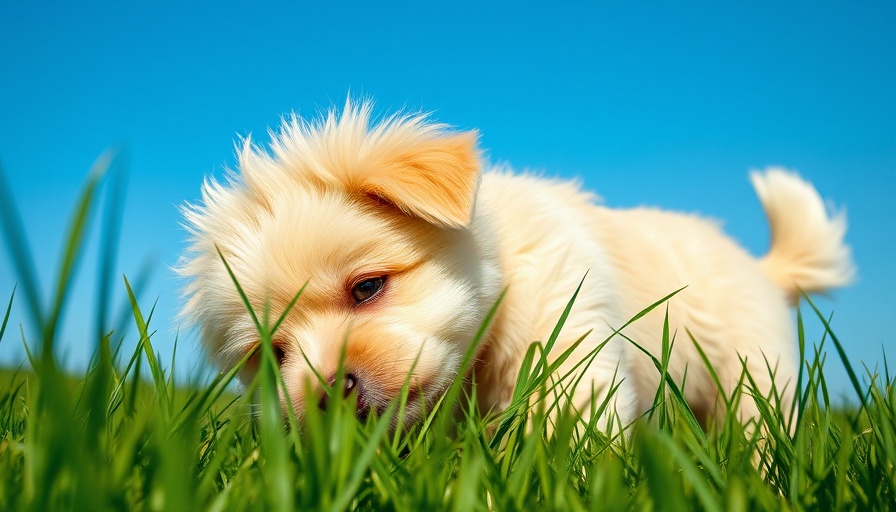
405,244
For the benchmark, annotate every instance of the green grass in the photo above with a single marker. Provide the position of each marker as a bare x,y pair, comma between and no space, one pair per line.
125,435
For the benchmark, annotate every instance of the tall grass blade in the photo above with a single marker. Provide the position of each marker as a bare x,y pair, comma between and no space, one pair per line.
74,245
17,244
158,376
110,236
8,310
853,379
125,314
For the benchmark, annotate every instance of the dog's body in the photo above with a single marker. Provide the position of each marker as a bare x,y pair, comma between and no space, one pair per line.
552,234
406,245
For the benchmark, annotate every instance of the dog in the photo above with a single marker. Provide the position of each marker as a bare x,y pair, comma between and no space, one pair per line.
403,244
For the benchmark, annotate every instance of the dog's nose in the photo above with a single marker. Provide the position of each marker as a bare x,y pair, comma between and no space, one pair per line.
350,384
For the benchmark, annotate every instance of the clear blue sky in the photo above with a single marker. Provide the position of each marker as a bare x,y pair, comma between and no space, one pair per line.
649,104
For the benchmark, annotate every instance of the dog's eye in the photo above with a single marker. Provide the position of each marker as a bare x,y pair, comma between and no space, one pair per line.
366,289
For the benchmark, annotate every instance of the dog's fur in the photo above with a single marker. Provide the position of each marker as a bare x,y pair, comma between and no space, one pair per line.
343,199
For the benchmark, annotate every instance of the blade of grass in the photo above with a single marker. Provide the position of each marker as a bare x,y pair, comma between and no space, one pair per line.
74,245
8,310
158,375
362,462
276,470
110,240
17,244
125,313
853,379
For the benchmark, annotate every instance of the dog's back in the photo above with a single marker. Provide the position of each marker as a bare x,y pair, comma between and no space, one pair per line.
734,305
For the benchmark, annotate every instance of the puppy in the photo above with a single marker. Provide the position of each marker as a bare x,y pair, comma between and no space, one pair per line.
405,245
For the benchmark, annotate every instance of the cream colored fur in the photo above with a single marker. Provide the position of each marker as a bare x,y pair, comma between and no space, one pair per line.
343,199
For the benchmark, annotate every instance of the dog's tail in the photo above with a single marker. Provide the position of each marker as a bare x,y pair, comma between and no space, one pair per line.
807,249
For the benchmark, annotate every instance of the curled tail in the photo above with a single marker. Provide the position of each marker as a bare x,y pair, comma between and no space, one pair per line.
807,249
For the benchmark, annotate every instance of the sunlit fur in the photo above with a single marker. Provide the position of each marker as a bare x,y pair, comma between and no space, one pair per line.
345,198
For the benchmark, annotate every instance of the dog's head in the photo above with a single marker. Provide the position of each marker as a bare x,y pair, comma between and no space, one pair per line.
380,221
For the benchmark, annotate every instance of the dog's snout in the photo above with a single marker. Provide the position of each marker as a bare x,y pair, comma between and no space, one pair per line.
350,384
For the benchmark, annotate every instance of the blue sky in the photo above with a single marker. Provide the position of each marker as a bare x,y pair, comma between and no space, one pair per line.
646,103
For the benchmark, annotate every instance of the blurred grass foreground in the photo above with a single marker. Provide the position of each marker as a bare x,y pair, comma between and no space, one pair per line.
124,435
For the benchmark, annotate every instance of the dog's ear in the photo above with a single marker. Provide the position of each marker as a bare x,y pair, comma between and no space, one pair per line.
435,179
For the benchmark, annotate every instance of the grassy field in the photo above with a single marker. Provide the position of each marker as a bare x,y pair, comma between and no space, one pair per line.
125,435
